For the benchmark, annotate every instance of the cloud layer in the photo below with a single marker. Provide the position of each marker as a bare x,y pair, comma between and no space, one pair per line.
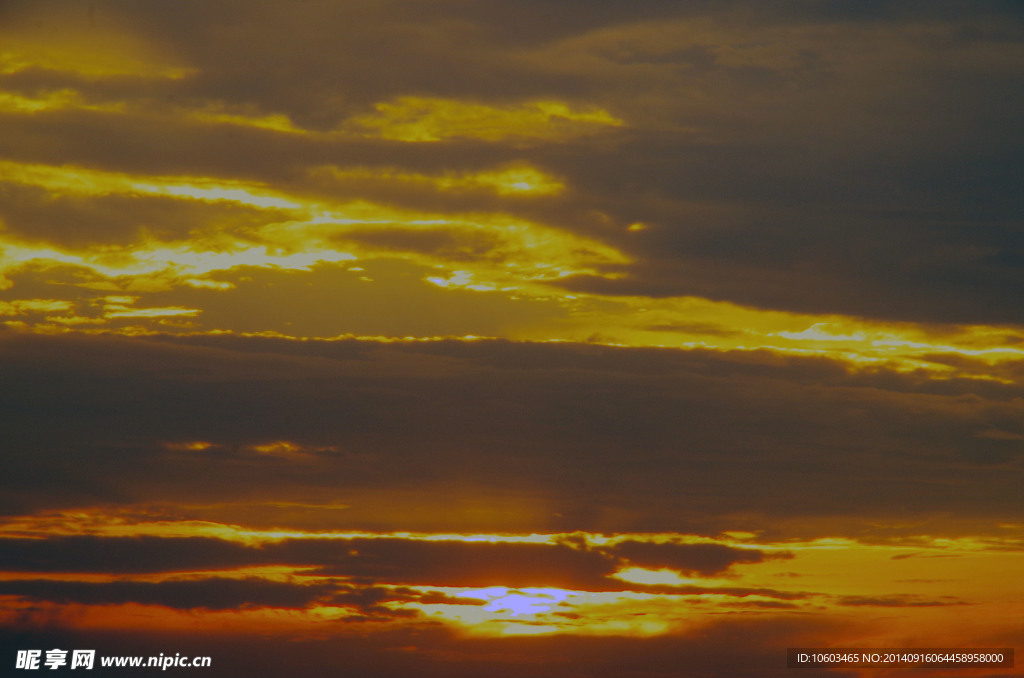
552,438
510,338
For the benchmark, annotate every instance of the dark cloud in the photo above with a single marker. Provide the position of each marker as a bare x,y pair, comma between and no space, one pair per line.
763,605
899,600
364,561
438,598
552,437
208,594
300,68
368,601
400,561
391,561
732,591
36,214
87,554
703,559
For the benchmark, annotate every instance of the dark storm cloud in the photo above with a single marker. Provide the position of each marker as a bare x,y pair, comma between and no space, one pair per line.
565,437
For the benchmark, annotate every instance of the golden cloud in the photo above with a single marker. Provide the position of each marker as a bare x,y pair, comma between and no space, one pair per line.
424,119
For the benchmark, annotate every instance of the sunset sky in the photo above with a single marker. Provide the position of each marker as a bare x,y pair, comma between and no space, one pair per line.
511,338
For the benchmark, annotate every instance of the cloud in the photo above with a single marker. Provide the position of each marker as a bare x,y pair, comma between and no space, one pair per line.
349,170
456,563
392,561
207,594
872,179
37,213
703,559
899,600
422,120
120,555
542,434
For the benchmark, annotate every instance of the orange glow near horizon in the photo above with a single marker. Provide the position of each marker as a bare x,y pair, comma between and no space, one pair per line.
919,588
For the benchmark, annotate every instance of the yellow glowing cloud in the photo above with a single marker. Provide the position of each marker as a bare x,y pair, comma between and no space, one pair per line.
80,180
407,119
661,577
190,446
51,100
515,179
286,449
188,262
217,112
516,252
29,306
155,267
511,181
483,252
210,113
421,119
696,323
119,311
150,521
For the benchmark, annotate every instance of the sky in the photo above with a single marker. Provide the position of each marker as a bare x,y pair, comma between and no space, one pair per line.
586,338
